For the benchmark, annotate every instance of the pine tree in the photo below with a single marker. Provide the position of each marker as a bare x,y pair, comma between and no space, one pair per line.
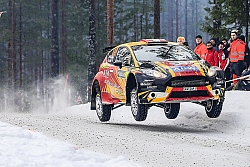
225,15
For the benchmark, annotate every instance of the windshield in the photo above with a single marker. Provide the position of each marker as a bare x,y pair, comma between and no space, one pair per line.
164,52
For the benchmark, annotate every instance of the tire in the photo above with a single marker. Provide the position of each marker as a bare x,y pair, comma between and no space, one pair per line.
139,111
172,110
213,108
103,111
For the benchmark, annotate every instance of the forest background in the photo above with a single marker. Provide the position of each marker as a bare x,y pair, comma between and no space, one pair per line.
44,44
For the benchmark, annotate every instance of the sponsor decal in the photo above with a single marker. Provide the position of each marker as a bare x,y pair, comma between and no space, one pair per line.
106,73
121,73
118,91
146,83
151,87
185,69
112,84
105,65
148,80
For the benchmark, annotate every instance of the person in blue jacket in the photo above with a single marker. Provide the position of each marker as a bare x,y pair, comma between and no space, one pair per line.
246,81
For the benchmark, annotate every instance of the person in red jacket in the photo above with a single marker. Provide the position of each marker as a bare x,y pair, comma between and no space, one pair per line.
211,55
224,61
236,55
223,58
201,48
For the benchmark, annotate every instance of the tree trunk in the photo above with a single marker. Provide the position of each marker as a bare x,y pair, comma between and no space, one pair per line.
247,20
92,46
63,39
20,46
171,31
186,20
9,60
196,17
55,43
146,25
156,19
135,21
20,56
177,17
13,49
110,22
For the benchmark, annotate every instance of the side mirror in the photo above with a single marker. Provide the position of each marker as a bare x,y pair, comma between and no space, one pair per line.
118,63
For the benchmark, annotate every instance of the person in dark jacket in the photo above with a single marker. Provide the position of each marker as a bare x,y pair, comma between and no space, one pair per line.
224,61
225,42
244,81
214,43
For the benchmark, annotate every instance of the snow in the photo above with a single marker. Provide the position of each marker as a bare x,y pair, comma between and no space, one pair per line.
20,147
192,137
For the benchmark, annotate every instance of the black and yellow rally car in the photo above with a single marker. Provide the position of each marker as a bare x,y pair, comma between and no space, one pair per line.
154,72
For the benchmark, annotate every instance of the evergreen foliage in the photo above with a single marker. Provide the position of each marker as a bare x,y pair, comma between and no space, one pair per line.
225,16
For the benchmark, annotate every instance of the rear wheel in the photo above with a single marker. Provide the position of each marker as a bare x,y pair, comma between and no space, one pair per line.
139,111
103,111
213,108
172,110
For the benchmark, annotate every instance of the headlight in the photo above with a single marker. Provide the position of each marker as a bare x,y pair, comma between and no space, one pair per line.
211,72
154,73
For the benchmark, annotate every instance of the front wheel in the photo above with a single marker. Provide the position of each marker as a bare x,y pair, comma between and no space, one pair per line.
139,111
213,108
172,110
103,111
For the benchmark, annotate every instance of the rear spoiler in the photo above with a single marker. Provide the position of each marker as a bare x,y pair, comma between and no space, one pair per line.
155,41
107,49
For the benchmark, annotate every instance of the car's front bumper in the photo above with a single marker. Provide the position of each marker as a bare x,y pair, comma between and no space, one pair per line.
179,94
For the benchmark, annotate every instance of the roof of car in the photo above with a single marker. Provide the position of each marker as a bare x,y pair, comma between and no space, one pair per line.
143,42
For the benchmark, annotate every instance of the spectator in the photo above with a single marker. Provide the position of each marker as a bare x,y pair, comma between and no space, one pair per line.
243,83
236,55
214,41
200,48
247,56
224,61
211,55
181,41
246,80
225,42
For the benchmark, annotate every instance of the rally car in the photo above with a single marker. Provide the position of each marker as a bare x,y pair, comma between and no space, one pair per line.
155,72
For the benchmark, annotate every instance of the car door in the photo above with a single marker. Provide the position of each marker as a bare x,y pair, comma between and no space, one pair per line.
119,74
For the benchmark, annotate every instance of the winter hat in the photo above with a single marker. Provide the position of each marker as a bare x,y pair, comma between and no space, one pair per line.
198,36
215,40
220,43
181,39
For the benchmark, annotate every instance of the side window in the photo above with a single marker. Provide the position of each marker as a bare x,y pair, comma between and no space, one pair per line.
124,55
111,56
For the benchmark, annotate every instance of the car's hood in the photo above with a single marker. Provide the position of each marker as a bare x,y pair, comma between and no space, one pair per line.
183,68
